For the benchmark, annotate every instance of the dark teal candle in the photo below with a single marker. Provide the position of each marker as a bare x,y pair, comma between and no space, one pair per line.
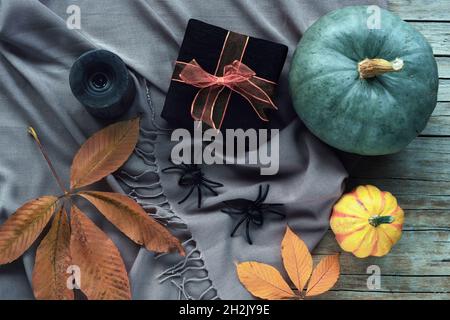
100,80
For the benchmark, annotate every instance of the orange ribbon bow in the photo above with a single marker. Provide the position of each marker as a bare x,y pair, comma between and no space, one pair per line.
211,102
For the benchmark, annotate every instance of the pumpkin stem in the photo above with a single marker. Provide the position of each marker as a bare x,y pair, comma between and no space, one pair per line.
370,68
377,220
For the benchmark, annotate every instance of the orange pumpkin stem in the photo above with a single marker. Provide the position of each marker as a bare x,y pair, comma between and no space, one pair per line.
377,220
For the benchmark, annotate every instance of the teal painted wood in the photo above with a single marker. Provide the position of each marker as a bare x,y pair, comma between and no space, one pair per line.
419,265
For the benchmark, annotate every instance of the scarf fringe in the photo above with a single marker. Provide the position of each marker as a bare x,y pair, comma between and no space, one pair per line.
189,271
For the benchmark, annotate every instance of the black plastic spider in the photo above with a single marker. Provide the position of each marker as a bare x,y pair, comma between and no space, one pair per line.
252,211
192,176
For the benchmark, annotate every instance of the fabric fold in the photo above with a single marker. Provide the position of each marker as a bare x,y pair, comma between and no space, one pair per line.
36,53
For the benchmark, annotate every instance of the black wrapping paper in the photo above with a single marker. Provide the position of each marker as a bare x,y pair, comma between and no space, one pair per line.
204,42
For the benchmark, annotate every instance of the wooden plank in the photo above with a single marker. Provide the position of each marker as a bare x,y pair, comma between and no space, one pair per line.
418,267
424,159
374,295
437,34
438,126
432,10
442,109
426,203
395,265
444,89
444,66
418,252
421,219
393,283
426,241
404,187
392,287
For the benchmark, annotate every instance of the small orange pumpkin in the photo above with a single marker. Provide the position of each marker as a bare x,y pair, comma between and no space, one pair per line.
367,222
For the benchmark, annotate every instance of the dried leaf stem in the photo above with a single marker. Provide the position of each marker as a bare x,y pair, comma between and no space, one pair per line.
33,133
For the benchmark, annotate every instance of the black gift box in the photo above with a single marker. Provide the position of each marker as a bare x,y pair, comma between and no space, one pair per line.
204,43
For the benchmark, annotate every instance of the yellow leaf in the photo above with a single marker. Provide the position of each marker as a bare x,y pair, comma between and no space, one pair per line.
104,152
264,281
19,232
52,260
102,271
133,221
296,259
324,276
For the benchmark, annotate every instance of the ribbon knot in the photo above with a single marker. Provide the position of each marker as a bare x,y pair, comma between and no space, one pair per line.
221,81
211,102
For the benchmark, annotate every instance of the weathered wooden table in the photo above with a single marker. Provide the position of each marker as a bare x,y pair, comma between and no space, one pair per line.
418,267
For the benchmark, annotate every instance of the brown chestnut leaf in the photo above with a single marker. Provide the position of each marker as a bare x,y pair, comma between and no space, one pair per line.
82,243
133,221
19,232
52,261
102,271
104,152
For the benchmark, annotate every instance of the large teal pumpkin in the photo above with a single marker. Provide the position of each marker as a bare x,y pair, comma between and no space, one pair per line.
360,88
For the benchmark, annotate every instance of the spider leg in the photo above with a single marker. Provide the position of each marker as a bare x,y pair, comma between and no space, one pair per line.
231,211
187,195
276,212
213,183
266,192
247,231
199,196
258,219
231,206
238,225
258,199
268,205
261,195
214,192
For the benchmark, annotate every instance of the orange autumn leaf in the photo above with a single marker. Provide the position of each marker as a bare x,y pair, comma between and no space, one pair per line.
133,221
104,152
82,243
102,271
263,281
19,232
296,259
324,276
52,261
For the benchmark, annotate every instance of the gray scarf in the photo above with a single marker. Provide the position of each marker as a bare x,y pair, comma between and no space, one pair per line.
36,53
